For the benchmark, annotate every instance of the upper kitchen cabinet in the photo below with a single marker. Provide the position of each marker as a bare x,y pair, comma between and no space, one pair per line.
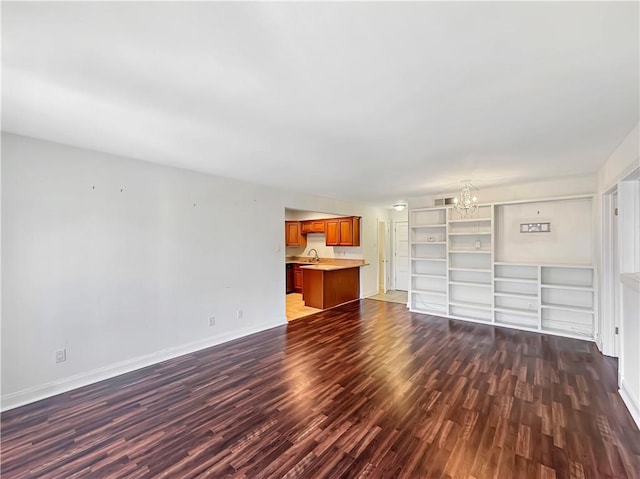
293,234
313,226
343,231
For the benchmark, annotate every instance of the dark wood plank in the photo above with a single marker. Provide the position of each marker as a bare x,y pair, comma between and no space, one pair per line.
363,390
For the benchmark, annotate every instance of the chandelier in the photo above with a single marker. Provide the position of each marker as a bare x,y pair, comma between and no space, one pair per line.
467,204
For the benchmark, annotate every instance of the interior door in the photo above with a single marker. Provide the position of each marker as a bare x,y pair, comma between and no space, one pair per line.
384,255
401,255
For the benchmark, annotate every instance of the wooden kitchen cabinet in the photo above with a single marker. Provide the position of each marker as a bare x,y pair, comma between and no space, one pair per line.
293,234
313,226
297,278
326,289
343,231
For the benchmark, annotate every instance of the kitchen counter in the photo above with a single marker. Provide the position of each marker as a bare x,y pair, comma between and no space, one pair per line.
329,285
329,267
305,260
328,282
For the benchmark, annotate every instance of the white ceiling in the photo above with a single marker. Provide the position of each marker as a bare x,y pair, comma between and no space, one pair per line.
367,101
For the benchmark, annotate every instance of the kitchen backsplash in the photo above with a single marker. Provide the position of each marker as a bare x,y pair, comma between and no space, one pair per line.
317,241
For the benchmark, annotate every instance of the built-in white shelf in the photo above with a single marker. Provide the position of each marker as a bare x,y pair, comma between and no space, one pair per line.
453,274
468,251
471,304
566,307
470,255
471,283
516,280
517,311
427,291
487,233
478,270
565,286
471,220
428,255
517,295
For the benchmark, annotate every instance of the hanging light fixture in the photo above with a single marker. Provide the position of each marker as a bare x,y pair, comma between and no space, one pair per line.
399,206
467,204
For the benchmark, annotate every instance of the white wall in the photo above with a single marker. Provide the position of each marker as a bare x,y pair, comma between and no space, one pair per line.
570,239
126,278
621,162
630,372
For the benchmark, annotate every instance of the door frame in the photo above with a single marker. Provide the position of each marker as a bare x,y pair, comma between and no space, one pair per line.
610,297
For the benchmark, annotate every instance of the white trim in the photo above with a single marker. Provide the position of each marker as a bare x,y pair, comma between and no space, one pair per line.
609,300
544,200
43,391
489,322
516,202
370,293
630,401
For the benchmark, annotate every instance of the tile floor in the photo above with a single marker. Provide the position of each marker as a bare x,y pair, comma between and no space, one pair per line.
393,296
296,308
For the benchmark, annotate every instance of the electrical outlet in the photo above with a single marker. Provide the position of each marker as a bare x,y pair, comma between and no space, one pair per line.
239,314
61,355
212,321
531,305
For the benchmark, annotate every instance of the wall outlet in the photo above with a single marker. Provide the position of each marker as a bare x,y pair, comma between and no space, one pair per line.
61,355
531,305
212,321
239,314
478,244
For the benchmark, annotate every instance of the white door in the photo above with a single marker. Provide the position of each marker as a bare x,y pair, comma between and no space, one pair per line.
384,255
401,255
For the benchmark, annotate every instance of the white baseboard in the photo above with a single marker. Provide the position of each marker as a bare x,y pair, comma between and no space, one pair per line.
29,395
630,401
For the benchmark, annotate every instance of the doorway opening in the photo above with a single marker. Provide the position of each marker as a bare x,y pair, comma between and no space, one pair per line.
388,289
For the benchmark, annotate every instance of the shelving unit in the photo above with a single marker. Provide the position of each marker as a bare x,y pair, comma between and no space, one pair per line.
428,256
516,293
567,299
454,274
470,255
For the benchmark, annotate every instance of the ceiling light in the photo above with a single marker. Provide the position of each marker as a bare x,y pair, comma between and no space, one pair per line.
399,206
467,204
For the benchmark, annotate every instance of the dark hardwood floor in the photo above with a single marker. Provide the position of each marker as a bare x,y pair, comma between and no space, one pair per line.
364,390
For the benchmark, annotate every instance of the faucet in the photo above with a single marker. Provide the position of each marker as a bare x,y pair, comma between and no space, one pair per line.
316,258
